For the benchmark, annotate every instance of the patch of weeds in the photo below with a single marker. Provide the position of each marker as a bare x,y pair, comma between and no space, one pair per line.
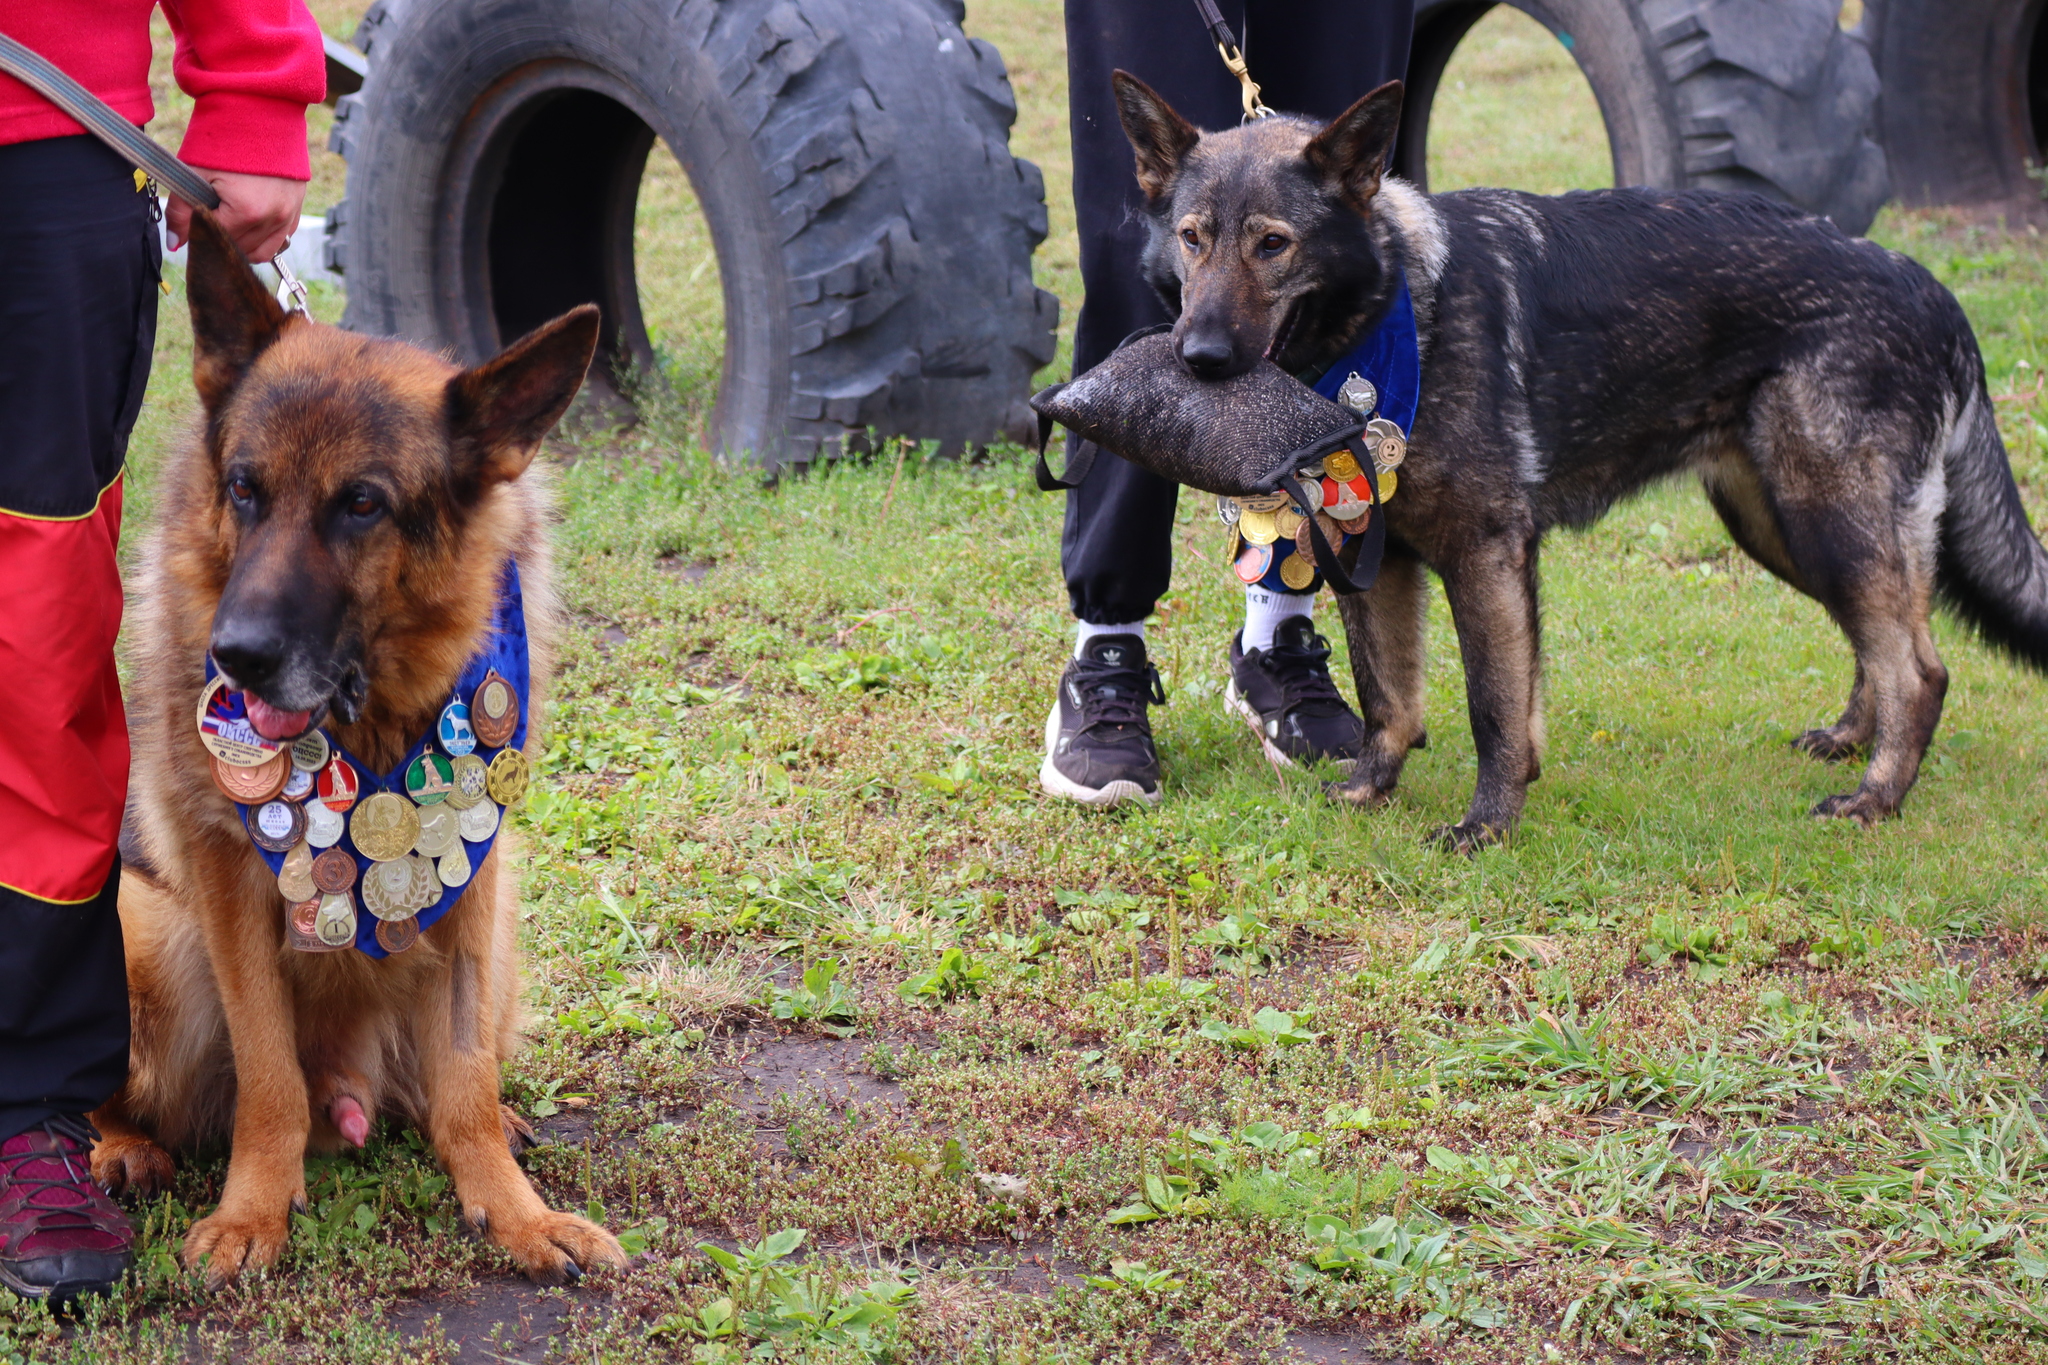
1401,1264
955,975
1844,944
1241,942
819,1000
1269,1028
1703,948
1645,1306
1134,1277
783,1308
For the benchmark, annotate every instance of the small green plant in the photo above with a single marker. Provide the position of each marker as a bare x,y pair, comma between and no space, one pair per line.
819,1000
1241,942
1134,1275
1844,944
955,975
1162,1196
1269,1028
782,1307
1702,947
1413,1265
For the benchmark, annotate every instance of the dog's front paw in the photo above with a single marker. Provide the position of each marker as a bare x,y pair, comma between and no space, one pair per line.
1467,836
227,1244
519,1134
1826,745
1865,807
131,1165
556,1248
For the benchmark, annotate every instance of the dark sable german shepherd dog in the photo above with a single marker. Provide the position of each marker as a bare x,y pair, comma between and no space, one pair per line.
334,536
1827,392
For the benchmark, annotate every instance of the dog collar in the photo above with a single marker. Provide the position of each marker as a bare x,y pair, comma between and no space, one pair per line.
1388,359
374,858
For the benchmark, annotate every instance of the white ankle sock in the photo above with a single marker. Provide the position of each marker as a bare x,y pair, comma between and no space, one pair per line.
1265,609
1084,631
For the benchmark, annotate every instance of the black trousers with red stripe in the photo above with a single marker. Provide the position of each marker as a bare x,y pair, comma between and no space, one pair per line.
1310,57
79,263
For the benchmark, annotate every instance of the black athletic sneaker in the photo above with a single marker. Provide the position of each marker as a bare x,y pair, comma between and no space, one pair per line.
1098,743
1286,696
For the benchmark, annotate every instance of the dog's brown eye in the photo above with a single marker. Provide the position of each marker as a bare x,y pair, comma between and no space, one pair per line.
240,489
1272,244
1190,236
365,503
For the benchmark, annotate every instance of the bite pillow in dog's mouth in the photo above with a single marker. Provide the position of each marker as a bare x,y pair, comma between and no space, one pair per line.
1229,436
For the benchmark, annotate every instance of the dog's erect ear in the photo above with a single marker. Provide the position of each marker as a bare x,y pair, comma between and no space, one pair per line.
1161,138
1353,152
499,411
234,318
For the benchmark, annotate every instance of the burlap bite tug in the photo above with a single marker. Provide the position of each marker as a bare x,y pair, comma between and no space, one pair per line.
1251,435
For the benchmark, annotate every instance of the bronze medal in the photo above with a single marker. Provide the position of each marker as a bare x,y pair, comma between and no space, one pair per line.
470,783
439,831
334,872
334,923
324,824
395,936
384,826
453,867
1306,548
309,752
276,825
251,786
301,922
508,777
1297,573
478,822
225,730
1355,526
494,710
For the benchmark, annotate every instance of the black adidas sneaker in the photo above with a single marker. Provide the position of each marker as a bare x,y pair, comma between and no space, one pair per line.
1285,694
1098,742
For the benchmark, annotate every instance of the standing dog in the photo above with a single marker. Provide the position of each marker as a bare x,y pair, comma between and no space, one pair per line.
334,538
1827,392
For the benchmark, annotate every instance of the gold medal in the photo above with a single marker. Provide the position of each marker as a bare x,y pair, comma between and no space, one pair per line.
1258,527
395,936
1388,481
384,826
1287,521
470,783
309,752
478,822
1297,573
276,826
1265,502
295,878
1232,545
1342,466
387,889
508,777
426,885
251,786
453,867
334,872
225,730
439,831
494,710
334,924
429,779
324,824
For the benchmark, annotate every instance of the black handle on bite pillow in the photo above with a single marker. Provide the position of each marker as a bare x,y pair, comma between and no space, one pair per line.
1372,543
1080,456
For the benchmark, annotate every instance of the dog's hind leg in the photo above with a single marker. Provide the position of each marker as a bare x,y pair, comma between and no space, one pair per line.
1899,671
1384,626
456,1025
1851,732
1493,602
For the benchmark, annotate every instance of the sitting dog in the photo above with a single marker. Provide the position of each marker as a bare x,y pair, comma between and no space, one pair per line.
1828,393
334,539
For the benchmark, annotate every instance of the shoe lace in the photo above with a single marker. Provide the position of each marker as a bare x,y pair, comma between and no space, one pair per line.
1116,695
66,1215
1303,673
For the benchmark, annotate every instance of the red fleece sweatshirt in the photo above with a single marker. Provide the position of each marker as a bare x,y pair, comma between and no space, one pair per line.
251,67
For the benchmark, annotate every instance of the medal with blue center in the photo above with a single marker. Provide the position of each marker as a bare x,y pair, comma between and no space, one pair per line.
422,829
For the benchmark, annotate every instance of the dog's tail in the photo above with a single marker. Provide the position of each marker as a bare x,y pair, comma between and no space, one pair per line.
1993,570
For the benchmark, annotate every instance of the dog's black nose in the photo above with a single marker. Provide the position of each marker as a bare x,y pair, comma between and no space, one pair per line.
1207,357
250,651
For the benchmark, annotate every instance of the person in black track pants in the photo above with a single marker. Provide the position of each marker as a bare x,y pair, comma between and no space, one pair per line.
1116,550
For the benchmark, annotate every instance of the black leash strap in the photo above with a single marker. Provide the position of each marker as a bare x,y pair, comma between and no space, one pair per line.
1233,58
42,76
1372,543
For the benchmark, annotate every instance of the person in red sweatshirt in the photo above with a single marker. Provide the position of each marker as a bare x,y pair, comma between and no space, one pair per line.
80,262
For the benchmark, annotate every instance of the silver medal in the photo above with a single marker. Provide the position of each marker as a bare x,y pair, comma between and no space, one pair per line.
1359,395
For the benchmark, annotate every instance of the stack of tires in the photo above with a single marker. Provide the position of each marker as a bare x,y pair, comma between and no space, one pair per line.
874,234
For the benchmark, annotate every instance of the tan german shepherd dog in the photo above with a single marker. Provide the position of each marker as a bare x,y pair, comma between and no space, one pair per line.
334,536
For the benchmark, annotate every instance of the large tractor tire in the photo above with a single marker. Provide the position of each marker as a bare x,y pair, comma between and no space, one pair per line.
873,232
1765,95
1965,110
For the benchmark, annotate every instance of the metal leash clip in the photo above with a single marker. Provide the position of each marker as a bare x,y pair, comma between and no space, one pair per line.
1233,58
291,290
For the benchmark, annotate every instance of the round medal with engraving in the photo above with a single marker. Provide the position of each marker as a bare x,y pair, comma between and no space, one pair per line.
1358,394
453,867
1252,562
1355,526
305,916
338,785
429,778
494,710
334,872
479,822
454,732
1389,480
324,824
1332,536
298,786
508,778
426,885
384,827
310,752
276,826
395,936
439,831
225,730
1259,528
1228,510
295,876
386,890
1342,466
470,783
1297,573
251,786
1287,521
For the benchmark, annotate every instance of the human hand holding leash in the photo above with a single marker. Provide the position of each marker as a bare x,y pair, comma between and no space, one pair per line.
260,212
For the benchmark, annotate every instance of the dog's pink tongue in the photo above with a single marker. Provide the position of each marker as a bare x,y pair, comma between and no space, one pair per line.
272,723
349,1118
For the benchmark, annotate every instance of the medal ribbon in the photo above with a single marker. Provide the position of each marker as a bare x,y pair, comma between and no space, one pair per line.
503,650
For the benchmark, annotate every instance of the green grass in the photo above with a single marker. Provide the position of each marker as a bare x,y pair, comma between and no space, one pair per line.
1677,1074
